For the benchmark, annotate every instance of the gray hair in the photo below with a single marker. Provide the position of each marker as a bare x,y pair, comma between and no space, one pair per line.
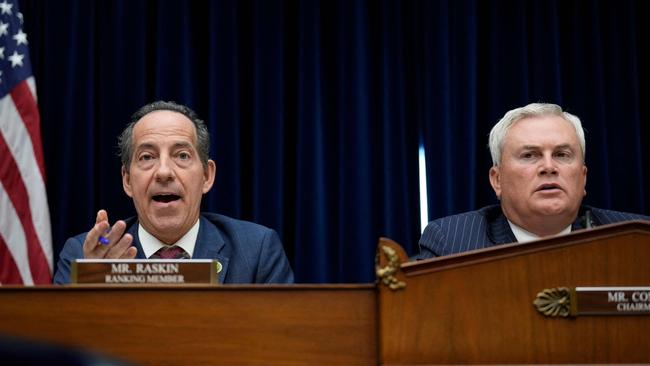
499,131
125,140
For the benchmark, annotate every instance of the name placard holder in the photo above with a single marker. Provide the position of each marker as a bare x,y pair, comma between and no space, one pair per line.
613,300
145,271
581,301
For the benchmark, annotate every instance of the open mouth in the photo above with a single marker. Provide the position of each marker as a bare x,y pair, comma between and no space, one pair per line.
166,198
548,187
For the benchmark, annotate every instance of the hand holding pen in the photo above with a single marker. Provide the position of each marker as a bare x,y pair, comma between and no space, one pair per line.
104,241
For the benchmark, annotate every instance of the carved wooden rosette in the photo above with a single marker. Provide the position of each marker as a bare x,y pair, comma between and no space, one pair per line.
388,262
556,302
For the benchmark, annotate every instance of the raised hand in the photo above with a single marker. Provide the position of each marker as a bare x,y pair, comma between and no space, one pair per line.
106,242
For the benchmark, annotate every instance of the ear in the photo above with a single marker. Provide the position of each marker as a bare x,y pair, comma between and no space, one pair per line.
126,182
208,175
495,180
584,177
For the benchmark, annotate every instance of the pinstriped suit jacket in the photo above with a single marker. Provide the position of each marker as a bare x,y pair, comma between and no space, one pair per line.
488,226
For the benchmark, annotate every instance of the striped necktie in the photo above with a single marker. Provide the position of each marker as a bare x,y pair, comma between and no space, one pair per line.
174,252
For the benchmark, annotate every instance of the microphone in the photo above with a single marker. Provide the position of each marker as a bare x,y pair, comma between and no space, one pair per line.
589,222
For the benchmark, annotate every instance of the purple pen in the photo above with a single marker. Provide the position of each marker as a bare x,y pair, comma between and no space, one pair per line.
104,240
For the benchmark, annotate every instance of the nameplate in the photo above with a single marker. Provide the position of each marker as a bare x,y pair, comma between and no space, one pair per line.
579,301
613,300
145,271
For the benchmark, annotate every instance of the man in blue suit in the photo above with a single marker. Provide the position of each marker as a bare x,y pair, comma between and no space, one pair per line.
166,170
539,176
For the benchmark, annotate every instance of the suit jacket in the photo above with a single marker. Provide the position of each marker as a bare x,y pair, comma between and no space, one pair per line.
248,252
488,226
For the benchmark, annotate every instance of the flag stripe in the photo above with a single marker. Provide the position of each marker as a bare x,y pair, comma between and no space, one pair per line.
20,145
12,231
26,238
25,104
17,193
8,270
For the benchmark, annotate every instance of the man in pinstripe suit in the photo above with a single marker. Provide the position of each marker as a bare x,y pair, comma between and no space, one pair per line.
539,176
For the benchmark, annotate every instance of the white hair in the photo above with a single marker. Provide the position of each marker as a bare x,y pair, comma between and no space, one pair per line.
499,131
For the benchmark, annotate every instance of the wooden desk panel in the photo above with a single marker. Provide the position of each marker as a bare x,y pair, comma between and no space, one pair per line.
477,307
202,325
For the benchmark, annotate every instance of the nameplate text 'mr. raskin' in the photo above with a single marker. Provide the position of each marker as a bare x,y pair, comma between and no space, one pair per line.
145,271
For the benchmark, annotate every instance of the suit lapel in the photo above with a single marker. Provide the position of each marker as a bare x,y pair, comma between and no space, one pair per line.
499,231
132,228
210,245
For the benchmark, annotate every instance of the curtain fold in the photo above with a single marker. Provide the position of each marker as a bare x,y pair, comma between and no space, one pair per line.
317,108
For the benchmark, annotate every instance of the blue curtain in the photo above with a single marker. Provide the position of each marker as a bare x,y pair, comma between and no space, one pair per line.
479,59
317,108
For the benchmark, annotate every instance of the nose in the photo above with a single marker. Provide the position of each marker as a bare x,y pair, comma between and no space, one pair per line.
165,171
548,166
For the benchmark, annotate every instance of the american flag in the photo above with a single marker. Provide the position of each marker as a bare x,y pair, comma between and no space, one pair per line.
25,236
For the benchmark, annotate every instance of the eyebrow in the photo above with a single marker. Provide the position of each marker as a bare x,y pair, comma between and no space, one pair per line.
182,144
564,146
147,145
534,147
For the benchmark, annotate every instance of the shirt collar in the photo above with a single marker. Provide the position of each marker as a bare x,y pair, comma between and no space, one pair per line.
151,244
524,236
